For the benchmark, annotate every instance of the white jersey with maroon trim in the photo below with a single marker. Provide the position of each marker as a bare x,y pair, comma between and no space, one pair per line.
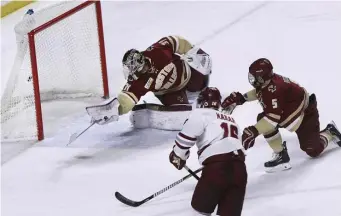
212,131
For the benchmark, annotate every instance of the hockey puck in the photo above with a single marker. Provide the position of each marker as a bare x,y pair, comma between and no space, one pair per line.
83,157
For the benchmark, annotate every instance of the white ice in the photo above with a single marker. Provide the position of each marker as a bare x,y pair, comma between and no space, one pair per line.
302,39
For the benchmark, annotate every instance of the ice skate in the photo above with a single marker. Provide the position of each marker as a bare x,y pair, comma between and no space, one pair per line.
279,162
333,130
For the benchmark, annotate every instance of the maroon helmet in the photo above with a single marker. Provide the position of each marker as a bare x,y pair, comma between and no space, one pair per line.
260,71
209,97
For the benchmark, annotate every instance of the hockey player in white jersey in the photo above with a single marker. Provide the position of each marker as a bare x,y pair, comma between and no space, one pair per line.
220,151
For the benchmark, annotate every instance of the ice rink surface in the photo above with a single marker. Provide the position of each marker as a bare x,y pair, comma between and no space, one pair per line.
302,39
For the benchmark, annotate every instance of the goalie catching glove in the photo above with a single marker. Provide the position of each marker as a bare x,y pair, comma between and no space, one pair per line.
104,113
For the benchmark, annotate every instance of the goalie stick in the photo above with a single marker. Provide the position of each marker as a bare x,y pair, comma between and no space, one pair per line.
74,136
132,203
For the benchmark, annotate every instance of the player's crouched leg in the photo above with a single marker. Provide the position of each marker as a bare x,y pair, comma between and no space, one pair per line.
260,116
309,131
231,204
222,183
207,191
316,150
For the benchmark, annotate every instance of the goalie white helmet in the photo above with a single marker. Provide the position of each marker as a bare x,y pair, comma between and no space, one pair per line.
133,62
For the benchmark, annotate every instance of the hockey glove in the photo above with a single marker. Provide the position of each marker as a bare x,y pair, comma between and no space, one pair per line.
234,98
104,113
249,135
177,161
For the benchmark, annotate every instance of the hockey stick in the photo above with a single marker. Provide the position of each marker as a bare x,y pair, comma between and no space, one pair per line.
191,172
132,203
74,136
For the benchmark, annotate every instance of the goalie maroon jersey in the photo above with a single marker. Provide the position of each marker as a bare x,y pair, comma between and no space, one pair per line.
283,101
168,72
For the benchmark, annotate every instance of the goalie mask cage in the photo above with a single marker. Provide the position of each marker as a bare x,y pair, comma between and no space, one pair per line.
60,55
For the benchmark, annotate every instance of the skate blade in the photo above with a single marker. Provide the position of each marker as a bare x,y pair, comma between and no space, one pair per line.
333,123
281,167
335,139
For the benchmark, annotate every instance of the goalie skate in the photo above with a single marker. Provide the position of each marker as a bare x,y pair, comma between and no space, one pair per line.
279,162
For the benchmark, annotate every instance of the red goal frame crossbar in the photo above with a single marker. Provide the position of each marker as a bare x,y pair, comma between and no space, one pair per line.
34,65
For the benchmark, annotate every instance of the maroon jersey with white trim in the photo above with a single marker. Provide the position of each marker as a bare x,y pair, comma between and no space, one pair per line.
283,100
168,72
212,131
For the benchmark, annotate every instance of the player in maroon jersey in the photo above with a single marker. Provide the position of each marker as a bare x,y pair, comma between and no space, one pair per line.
287,105
171,68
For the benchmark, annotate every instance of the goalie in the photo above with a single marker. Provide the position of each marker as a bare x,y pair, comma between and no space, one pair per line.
174,70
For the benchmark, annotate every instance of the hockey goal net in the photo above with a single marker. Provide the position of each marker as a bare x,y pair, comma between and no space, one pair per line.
60,55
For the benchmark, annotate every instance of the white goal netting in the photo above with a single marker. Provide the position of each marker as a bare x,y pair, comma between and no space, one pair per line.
68,61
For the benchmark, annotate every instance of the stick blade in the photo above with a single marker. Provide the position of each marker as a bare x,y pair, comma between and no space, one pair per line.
127,201
73,137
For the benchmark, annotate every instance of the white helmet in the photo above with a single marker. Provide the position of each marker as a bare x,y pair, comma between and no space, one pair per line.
133,62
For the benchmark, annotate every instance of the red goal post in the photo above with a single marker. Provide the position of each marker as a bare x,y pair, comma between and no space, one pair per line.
66,59
34,56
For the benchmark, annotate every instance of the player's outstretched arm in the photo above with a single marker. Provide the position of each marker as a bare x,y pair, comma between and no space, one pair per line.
127,101
237,98
111,109
234,99
250,95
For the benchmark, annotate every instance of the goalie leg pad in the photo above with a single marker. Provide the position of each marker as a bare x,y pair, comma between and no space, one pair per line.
160,117
198,60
